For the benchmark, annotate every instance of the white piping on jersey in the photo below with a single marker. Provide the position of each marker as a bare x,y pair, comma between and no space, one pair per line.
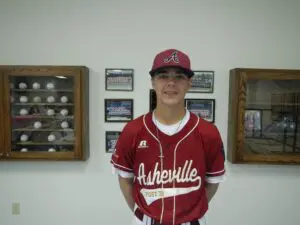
221,171
120,165
174,163
161,165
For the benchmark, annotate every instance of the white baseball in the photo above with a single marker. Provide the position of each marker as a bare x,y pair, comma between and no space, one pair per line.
49,85
64,112
22,85
37,124
64,99
24,150
23,112
50,112
50,99
64,125
51,137
37,99
36,85
51,150
23,99
24,137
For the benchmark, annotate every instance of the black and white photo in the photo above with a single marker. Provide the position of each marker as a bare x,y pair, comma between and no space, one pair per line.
119,79
202,82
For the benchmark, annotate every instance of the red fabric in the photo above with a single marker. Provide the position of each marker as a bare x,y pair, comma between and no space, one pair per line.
172,58
189,156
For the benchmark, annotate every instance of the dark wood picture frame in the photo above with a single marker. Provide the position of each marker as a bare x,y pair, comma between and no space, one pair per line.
267,151
152,100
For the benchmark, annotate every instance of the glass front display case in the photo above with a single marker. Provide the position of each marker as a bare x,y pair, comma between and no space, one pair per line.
264,116
45,113
42,113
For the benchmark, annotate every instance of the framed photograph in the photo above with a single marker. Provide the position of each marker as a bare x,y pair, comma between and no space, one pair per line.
253,123
119,79
203,82
152,100
118,110
111,138
204,108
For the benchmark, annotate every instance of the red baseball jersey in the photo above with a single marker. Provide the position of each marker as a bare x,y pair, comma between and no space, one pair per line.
170,171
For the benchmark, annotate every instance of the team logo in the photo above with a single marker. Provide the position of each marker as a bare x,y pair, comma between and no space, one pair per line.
173,57
143,144
185,174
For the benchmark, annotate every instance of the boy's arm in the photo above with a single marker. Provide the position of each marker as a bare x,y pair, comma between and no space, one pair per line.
126,186
211,190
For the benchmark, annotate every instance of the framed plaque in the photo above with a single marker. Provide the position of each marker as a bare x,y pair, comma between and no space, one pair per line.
204,108
152,100
118,110
203,82
119,79
111,138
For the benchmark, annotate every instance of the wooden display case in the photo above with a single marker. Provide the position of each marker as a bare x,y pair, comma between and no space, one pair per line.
264,116
44,112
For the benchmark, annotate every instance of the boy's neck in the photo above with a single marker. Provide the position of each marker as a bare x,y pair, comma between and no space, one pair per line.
169,115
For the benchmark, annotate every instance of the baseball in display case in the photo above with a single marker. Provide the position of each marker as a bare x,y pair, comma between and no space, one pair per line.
46,112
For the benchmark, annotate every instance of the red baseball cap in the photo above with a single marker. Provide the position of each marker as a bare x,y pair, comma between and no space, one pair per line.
172,58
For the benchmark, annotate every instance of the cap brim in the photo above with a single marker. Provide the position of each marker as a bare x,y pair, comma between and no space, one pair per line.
189,73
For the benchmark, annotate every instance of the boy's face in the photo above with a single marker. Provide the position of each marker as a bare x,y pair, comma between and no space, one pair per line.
171,85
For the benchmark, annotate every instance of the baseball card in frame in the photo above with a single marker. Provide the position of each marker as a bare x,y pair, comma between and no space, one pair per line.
118,110
204,108
202,82
111,138
119,79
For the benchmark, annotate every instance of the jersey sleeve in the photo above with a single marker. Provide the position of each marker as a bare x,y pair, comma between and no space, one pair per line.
123,156
215,157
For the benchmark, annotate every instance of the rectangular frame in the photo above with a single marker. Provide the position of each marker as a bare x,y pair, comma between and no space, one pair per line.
111,138
118,110
202,81
152,100
118,79
204,108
